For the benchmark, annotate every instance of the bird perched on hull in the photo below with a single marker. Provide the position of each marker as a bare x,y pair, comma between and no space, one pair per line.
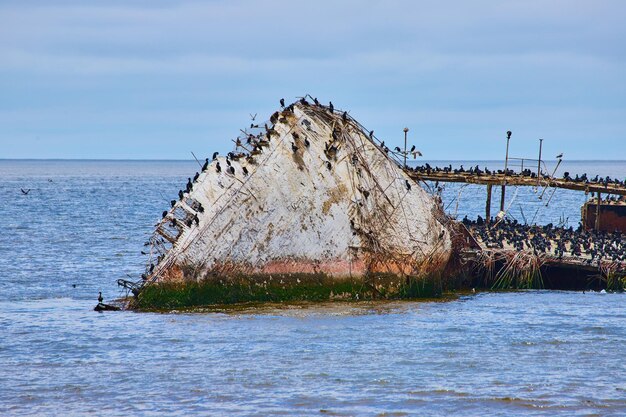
282,102
215,155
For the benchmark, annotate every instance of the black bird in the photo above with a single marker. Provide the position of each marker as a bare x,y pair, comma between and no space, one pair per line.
331,107
189,185
172,203
397,149
218,167
306,142
231,169
195,177
196,219
294,147
100,299
25,192
412,149
245,171
408,186
344,116
316,101
164,214
282,102
328,165
559,156
508,134
227,161
215,155
371,134
206,164
180,194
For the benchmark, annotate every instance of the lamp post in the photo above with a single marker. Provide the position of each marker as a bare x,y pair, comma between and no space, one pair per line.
506,166
405,130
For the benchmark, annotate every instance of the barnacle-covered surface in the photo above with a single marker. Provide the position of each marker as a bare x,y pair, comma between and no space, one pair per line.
309,192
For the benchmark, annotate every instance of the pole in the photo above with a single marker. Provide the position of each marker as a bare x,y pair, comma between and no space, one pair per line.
506,165
406,130
598,212
539,163
488,205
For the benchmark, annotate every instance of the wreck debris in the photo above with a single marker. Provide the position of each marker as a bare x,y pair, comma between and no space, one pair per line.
315,194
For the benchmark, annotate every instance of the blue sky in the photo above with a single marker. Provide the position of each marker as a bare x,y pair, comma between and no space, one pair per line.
157,79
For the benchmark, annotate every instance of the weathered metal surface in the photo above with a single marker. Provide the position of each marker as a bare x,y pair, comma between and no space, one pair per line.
612,216
319,197
498,179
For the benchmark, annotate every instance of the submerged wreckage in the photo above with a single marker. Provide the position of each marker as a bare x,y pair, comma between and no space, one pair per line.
308,206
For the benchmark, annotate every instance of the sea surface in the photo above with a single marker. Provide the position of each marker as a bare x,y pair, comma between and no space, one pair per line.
83,224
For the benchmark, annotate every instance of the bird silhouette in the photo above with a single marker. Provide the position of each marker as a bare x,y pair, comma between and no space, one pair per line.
25,192
559,156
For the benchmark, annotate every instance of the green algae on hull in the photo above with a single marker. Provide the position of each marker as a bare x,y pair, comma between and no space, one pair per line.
283,288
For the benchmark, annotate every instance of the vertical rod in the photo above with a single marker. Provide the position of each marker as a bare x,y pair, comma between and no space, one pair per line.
488,205
539,163
406,129
506,166
522,164
598,212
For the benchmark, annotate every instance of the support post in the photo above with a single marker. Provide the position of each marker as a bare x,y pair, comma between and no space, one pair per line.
488,205
598,212
539,163
506,167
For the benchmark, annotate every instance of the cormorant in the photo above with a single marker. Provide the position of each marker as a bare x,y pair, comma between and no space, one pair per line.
306,142
294,147
195,177
331,107
100,299
215,155
206,164
25,192
172,203
231,169
328,165
408,185
559,156
371,134
245,170
189,185
282,102
412,149
344,116
218,167
164,214
180,194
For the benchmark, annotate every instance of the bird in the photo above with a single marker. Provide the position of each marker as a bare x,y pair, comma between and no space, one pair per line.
195,177
215,155
408,185
416,154
218,167
100,299
164,214
294,147
189,185
306,142
328,165
231,169
508,134
180,194
245,170
344,116
206,164
253,117
227,161
25,192
559,156
371,134
331,107
412,149
282,102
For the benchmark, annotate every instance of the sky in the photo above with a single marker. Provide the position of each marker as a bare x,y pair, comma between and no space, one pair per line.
161,79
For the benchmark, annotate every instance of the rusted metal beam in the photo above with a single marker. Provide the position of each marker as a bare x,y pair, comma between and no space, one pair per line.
498,179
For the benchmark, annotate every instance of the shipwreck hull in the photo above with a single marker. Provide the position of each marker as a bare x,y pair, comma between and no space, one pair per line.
311,194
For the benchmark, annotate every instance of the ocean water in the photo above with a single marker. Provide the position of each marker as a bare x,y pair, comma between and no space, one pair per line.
83,225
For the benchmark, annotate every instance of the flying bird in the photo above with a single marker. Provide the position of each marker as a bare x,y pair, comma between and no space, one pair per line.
25,192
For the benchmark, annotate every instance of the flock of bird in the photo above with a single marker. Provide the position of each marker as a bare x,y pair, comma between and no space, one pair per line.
476,170
591,247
